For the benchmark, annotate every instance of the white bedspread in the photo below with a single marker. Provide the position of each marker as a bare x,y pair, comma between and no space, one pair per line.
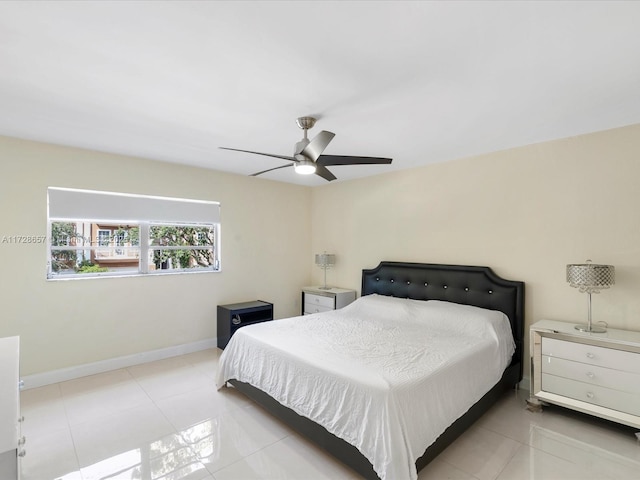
387,375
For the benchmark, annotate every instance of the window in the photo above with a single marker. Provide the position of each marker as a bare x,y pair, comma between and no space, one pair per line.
103,237
105,234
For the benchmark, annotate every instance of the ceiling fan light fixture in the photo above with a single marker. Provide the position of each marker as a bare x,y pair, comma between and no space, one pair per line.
305,167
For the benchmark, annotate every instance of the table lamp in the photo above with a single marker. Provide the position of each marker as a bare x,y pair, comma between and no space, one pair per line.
590,278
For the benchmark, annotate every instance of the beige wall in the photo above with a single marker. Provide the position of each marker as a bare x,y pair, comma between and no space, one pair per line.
265,255
525,212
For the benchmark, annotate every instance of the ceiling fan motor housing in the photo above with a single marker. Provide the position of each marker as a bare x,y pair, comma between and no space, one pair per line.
305,123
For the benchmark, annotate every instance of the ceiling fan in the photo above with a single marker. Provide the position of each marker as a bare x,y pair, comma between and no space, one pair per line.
307,154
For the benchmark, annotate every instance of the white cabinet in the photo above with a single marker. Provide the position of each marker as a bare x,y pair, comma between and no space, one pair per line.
595,373
11,442
316,299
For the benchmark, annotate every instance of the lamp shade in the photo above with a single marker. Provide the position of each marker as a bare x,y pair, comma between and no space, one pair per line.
325,259
591,277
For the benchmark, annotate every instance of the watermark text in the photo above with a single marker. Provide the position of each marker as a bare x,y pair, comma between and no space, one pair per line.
23,239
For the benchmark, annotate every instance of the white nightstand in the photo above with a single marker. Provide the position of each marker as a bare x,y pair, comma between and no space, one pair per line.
316,299
594,373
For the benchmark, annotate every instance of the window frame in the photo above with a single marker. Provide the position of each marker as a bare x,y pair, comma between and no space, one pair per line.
144,246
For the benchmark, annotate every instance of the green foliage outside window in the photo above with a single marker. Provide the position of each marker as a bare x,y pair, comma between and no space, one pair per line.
176,236
62,233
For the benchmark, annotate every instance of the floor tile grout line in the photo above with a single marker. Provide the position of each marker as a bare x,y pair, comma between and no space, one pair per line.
513,455
457,468
251,454
73,439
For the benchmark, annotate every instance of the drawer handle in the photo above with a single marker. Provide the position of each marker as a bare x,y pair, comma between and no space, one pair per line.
589,395
590,355
22,453
591,375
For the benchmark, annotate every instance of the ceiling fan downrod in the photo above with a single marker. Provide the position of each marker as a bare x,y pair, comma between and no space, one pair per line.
305,123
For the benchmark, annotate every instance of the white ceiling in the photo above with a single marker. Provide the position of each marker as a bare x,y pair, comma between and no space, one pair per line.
420,82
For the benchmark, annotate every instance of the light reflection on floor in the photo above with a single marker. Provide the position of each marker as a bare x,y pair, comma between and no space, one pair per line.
182,428
174,457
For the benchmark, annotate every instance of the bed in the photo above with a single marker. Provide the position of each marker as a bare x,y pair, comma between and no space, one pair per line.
345,389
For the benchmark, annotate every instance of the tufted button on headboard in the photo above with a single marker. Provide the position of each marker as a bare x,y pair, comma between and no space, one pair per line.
467,285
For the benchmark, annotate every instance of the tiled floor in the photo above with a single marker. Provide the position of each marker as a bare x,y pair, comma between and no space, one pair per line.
165,420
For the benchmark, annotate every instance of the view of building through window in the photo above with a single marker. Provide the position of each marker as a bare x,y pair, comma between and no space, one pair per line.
86,247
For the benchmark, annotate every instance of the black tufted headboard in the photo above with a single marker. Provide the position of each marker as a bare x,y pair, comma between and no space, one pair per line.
477,286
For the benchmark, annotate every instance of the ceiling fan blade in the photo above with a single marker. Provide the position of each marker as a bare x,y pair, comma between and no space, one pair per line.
276,168
284,157
317,145
328,160
324,173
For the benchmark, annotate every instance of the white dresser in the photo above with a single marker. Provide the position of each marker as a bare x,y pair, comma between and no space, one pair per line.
595,373
316,299
11,441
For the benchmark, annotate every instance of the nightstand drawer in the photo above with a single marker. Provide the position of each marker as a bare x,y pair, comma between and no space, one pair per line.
319,300
591,374
579,352
315,308
594,394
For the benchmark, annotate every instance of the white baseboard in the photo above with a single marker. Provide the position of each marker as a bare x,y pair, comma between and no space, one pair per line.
70,373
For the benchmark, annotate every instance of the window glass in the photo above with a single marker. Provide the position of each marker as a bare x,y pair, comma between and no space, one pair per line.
89,247
180,247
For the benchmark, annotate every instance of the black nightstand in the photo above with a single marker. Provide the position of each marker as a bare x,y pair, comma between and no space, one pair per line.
234,316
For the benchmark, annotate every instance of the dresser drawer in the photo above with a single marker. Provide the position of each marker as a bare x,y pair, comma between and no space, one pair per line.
579,352
319,300
11,447
593,394
591,374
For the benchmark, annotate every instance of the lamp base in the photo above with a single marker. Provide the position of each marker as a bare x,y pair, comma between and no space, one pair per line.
591,328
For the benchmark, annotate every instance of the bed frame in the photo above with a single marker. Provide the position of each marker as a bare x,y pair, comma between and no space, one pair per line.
477,286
